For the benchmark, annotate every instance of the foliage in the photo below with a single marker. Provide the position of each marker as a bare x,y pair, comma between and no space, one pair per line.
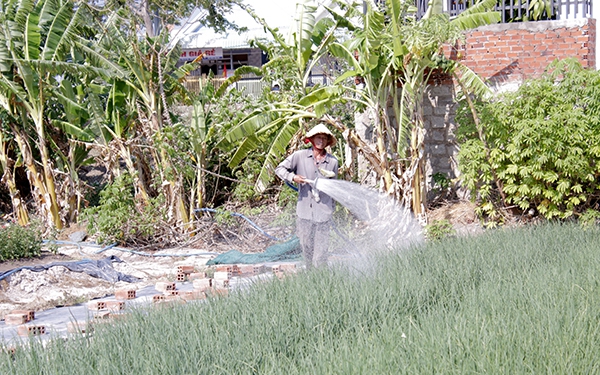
544,143
18,242
118,219
439,229
515,301
589,219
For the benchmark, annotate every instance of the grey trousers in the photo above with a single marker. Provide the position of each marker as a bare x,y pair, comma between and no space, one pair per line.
314,241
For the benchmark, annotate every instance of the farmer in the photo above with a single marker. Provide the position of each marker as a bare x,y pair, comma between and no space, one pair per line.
314,209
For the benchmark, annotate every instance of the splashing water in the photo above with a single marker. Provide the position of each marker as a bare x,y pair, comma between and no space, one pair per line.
385,224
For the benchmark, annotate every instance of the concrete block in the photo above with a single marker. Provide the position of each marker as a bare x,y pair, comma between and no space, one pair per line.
185,269
163,286
30,314
31,330
202,284
115,305
96,305
125,294
15,319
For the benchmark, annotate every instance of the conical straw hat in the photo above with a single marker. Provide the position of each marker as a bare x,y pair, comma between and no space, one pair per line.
321,129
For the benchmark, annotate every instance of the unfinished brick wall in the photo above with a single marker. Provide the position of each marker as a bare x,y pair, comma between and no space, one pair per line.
505,55
508,53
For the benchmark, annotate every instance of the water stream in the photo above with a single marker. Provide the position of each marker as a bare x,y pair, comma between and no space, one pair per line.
382,225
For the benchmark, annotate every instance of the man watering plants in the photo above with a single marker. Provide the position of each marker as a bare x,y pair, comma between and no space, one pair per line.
314,208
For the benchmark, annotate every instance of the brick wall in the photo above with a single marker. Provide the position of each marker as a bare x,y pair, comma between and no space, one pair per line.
513,52
505,55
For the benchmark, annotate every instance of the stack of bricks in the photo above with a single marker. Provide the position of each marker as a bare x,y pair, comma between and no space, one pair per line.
169,293
102,310
183,272
250,269
21,318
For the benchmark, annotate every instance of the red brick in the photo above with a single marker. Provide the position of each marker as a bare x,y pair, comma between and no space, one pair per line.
15,319
158,298
124,294
223,268
181,277
171,293
185,269
96,305
31,330
163,286
115,305
30,314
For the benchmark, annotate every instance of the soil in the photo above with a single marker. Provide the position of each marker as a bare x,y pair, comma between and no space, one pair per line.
58,286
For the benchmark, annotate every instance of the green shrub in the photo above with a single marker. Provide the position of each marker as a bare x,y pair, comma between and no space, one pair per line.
541,145
439,229
20,242
118,219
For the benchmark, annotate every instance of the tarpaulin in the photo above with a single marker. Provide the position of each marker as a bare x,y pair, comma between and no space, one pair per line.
278,252
102,269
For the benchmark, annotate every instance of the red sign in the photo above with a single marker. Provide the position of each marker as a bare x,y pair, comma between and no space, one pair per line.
212,53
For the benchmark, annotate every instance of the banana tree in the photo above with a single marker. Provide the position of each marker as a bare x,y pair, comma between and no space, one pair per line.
275,125
138,112
8,166
41,42
395,53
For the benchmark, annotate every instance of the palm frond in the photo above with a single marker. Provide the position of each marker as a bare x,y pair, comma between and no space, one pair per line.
472,82
247,146
275,152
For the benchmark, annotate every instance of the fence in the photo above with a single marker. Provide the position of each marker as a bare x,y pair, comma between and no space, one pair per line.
523,10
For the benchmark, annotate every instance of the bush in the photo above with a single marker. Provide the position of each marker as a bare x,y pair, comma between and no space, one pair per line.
540,145
18,242
118,219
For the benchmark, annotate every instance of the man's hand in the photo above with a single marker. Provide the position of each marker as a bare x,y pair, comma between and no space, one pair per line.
299,179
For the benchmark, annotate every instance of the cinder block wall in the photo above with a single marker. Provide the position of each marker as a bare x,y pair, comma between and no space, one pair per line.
505,55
